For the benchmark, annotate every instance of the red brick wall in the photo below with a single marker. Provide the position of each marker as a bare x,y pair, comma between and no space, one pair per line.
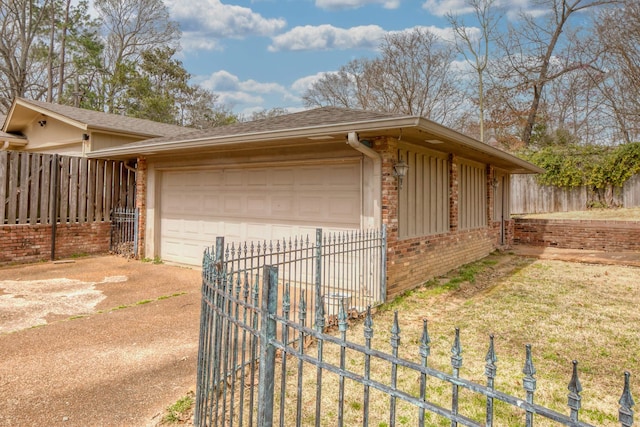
31,243
569,234
412,262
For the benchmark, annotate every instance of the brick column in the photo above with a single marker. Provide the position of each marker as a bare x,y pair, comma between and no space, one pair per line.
141,203
388,149
453,193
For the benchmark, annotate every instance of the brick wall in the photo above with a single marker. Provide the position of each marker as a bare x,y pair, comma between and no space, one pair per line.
569,234
412,262
31,243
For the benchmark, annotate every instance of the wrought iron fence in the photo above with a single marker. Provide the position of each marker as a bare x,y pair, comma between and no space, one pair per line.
258,367
344,267
124,232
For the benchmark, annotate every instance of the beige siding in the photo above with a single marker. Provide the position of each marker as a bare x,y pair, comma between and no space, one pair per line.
472,204
424,197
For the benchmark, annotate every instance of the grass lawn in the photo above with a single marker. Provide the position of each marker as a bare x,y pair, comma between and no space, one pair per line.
566,311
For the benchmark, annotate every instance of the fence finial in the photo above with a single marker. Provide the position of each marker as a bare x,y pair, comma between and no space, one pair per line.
395,331
342,317
456,351
425,341
491,359
529,371
368,325
575,388
302,308
625,413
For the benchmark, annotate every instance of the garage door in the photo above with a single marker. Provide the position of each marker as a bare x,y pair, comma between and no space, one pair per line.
254,204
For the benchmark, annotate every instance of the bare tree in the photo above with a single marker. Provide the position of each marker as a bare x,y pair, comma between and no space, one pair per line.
131,27
21,25
618,33
412,75
542,49
476,47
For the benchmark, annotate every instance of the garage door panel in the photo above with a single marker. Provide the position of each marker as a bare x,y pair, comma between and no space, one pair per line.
257,178
344,207
233,204
283,177
257,205
266,203
233,178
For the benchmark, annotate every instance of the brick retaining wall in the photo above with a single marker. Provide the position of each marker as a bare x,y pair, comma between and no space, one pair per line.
31,243
607,236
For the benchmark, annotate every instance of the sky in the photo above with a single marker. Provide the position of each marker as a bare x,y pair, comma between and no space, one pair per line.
263,54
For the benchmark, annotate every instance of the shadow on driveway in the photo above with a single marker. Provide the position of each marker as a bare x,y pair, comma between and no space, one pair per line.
117,343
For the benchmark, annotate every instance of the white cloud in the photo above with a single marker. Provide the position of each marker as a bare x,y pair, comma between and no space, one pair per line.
442,7
205,20
512,8
233,91
302,84
355,4
327,37
197,40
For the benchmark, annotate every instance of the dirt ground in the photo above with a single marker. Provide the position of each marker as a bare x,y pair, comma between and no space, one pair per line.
100,341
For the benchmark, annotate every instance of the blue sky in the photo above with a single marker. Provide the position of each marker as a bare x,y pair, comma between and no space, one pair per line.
260,54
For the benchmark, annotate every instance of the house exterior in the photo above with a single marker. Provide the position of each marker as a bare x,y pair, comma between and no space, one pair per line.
331,168
43,127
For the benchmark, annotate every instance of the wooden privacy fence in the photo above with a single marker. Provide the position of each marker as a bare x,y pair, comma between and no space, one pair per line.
527,196
49,188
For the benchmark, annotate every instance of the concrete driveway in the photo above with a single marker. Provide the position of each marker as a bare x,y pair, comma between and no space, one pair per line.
100,341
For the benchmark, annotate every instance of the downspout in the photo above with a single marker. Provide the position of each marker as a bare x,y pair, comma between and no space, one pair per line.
374,219
5,146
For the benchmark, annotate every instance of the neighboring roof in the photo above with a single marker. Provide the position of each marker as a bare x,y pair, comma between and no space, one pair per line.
319,126
4,136
95,120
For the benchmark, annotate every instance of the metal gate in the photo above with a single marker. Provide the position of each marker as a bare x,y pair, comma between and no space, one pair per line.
124,232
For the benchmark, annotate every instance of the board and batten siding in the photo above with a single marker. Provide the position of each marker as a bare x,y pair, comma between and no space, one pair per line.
472,196
424,197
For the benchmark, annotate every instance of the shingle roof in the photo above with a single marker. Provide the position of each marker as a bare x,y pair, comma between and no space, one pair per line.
323,116
110,122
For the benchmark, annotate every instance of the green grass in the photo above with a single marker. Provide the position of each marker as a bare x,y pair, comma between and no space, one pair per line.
564,310
179,410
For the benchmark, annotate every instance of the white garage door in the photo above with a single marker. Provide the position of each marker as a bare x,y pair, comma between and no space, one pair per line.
254,204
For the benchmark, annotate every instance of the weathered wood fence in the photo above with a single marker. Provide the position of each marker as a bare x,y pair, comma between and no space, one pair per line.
527,196
49,188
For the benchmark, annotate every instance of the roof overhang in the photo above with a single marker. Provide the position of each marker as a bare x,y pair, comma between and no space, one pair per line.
23,113
410,129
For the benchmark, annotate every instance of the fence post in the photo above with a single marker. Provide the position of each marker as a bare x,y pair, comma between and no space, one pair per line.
54,217
318,257
266,383
383,263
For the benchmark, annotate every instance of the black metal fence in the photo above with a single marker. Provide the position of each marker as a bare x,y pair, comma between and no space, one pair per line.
124,232
259,367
